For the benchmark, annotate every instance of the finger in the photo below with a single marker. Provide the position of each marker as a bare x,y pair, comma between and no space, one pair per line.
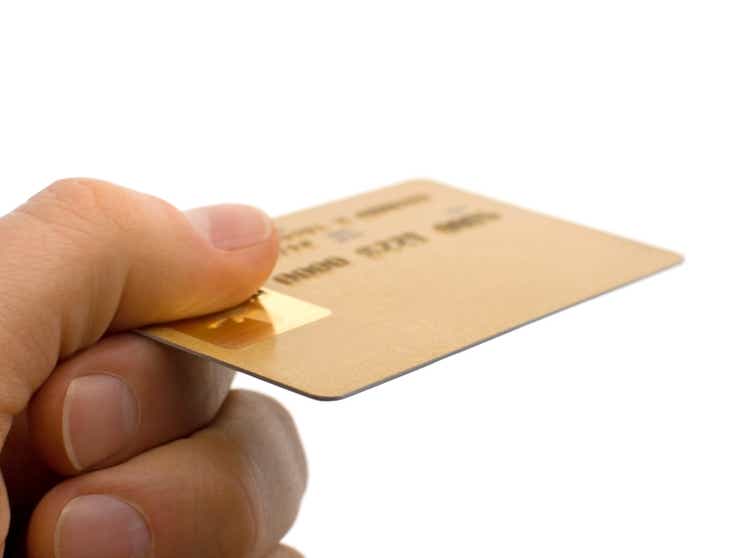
230,490
124,395
85,256
284,552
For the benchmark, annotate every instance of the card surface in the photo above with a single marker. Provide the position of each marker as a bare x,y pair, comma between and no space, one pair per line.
380,284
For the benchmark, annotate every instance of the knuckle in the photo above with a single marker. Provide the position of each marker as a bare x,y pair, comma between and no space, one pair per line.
106,204
248,400
225,489
244,405
268,460
289,461
74,205
81,193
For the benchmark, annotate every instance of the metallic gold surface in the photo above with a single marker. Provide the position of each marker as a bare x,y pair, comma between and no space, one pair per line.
266,314
409,274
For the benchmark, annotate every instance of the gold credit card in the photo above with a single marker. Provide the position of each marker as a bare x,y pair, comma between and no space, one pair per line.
380,284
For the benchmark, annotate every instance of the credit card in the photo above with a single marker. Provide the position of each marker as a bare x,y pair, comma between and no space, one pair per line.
374,286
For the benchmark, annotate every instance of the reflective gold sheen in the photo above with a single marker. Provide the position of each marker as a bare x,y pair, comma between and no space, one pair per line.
377,285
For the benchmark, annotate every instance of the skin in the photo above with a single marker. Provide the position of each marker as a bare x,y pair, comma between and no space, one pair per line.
199,469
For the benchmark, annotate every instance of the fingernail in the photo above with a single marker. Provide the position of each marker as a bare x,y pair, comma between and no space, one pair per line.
231,227
96,525
100,417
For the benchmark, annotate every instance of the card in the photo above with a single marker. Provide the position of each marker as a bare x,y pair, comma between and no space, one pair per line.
374,286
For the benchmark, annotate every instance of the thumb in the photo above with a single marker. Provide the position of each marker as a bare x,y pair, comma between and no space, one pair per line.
84,257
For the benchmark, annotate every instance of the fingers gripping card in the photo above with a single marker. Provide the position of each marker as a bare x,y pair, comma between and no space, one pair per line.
366,288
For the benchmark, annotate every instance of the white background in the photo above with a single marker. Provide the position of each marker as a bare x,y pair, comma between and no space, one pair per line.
616,428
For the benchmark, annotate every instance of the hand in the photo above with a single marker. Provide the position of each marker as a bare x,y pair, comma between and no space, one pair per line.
120,447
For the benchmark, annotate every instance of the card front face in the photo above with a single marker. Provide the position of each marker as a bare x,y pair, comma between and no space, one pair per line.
377,285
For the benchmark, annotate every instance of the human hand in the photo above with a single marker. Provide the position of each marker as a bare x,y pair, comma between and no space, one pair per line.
120,447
